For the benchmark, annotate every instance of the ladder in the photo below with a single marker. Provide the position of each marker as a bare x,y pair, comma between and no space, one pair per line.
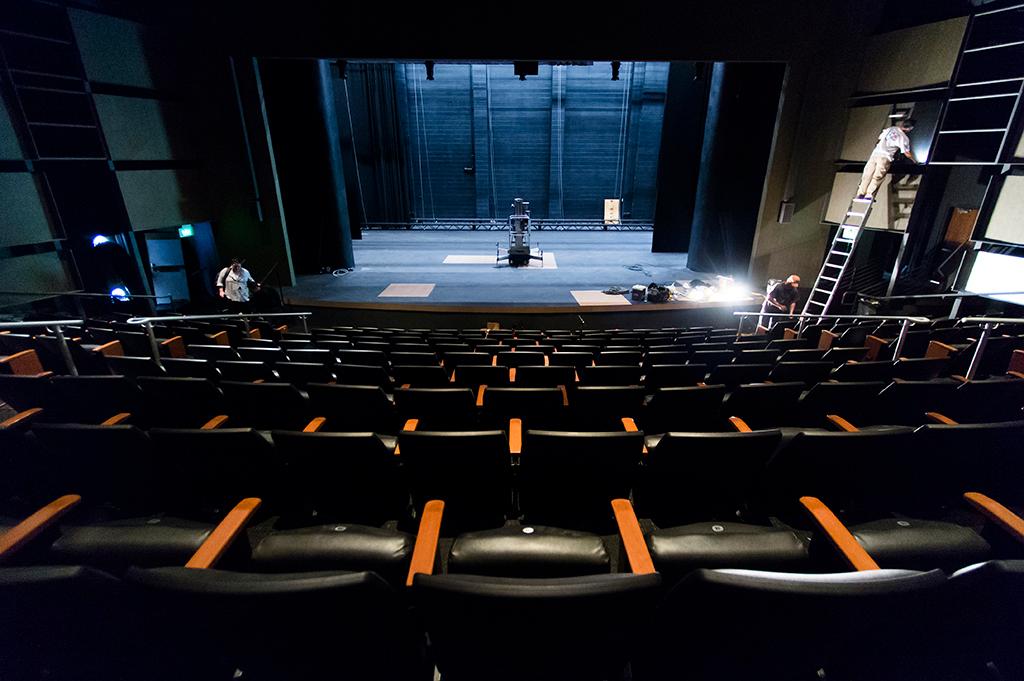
838,259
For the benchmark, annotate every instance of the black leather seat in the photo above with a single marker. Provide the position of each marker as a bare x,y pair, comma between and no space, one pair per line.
545,376
850,400
469,470
537,407
756,355
352,407
529,551
711,358
420,375
180,402
474,376
602,407
880,624
576,359
674,375
520,358
133,366
266,406
302,373
693,408
423,359
562,626
993,399
807,372
841,355
246,370
374,358
213,352
357,374
732,375
864,371
906,402
91,399
437,408
619,358
186,367
610,375
656,357
268,355
568,479
24,392
311,355
201,626
920,368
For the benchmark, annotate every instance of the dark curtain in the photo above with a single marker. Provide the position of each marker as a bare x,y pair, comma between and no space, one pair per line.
742,106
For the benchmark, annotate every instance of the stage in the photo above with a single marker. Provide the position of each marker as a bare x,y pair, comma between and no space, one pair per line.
456,271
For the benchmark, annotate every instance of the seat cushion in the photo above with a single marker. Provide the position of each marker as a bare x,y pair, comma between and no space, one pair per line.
529,551
678,550
338,546
118,544
921,544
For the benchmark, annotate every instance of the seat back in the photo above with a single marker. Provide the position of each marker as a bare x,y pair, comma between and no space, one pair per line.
72,623
921,368
851,400
562,624
375,358
185,367
568,479
993,399
356,408
213,352
619,358
24,392
356,374
437,408
420,375
520,358
474,376
181,402
344,477
545,376
711,358
195,617
841,355
807,372
610,375
674,375
112,465
468,470
732,375
879,624
301,373
573,358
537,407
692,408
245,370
905,402
267,406
864,371
206,472
91,399
691,477
602,407
133,366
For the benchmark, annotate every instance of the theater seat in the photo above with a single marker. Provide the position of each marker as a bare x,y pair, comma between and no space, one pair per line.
266,405
747,624
529,551
674,375
695,408
914,544
336,546
312,625
724,544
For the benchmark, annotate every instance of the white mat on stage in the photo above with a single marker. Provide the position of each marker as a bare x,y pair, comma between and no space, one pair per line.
598,298
406,291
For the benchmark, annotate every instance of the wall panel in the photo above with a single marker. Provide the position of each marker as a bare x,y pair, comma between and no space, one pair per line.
162,198
144,129
912,57
23,215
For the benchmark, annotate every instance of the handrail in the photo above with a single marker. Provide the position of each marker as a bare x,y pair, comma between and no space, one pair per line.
803,316
147,322
959,294
49,322
988,325
810,315
82,294
62,342
227,315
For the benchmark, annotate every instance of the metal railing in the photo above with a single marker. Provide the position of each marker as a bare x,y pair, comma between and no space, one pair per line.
62,341
803,317
988,325
147,323
496,225
956,296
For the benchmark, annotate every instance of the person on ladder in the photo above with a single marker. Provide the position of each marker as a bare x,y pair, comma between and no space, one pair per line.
891,140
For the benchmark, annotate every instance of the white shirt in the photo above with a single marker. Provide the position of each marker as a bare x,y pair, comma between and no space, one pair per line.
890,141
235,284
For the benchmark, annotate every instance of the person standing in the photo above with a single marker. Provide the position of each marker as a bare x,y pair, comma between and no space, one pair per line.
234,284
891,140
783,297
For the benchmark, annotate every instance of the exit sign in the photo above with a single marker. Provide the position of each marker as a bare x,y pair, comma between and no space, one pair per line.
185,231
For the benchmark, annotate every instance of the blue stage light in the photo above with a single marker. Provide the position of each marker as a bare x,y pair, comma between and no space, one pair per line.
120,293
100,239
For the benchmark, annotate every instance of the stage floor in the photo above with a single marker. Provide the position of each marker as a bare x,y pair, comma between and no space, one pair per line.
409,267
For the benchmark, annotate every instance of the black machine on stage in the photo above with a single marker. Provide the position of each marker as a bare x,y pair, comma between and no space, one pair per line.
519,252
